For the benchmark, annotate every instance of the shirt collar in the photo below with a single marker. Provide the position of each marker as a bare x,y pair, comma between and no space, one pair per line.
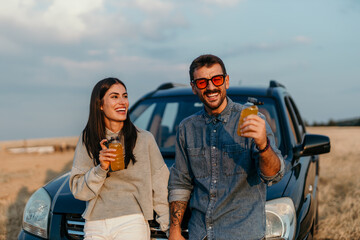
109,133
223,116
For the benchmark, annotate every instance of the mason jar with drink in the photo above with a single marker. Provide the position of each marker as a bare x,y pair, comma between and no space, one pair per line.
119,163
248,109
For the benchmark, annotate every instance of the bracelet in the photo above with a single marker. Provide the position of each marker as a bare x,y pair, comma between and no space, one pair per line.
266,147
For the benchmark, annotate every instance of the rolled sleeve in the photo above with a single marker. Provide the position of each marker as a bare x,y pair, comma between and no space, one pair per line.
180,185
180,182
269,180
182,195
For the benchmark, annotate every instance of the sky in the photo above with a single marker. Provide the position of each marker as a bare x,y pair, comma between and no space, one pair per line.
53,52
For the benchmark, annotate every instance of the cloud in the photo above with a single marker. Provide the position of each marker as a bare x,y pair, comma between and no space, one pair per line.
262,47
59,19
8,47
160,19
68,18
135,69
223,2
66,21
71,65
254,48
154,6
302,39
121,62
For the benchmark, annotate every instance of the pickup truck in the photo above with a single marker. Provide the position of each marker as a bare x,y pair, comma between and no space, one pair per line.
292,204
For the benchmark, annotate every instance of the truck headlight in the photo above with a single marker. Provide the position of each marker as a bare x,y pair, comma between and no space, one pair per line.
36,213
280,219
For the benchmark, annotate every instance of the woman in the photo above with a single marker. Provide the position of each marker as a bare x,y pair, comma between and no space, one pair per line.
118,203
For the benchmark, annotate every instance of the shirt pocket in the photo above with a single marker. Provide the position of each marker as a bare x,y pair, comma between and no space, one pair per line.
198,162
235,159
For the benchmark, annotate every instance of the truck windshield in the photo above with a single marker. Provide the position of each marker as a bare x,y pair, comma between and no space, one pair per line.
161,116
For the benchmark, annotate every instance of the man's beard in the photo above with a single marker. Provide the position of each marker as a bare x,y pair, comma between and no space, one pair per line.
212,107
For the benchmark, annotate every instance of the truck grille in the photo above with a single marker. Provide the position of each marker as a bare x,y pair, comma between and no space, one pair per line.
75,226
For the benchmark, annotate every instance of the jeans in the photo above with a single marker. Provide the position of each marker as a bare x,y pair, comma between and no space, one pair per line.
133,227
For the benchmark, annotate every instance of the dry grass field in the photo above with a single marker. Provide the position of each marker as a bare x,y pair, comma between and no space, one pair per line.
339,207
339,193
21,174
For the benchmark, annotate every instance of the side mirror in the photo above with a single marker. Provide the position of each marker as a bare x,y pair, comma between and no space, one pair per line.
313,144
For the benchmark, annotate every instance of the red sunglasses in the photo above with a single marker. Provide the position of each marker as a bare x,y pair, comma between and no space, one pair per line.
202,83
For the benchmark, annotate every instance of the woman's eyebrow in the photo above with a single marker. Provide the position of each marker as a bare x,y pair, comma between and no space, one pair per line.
116,93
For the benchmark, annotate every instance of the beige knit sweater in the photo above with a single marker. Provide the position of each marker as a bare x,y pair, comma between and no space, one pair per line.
141,188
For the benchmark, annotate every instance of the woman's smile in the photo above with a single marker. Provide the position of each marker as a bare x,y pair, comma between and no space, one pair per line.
115,104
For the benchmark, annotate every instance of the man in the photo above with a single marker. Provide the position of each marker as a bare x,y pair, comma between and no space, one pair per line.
223,174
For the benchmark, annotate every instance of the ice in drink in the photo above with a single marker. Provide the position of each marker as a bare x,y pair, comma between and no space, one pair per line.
119,163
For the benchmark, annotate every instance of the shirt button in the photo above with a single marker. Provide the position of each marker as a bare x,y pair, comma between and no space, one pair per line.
213,147
214,130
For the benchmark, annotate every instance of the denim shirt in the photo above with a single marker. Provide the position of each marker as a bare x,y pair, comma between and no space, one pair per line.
219,172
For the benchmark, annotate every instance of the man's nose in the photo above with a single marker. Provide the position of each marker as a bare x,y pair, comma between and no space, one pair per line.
210,85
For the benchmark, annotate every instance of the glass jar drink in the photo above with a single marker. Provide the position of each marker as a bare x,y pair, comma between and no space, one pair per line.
248,109
119,163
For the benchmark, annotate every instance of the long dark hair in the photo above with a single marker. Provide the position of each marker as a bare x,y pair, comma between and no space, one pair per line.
94,131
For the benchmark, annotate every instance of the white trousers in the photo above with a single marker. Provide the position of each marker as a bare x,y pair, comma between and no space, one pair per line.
133,227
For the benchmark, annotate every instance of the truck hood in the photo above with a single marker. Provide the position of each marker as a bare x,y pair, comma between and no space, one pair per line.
62,199
277,190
